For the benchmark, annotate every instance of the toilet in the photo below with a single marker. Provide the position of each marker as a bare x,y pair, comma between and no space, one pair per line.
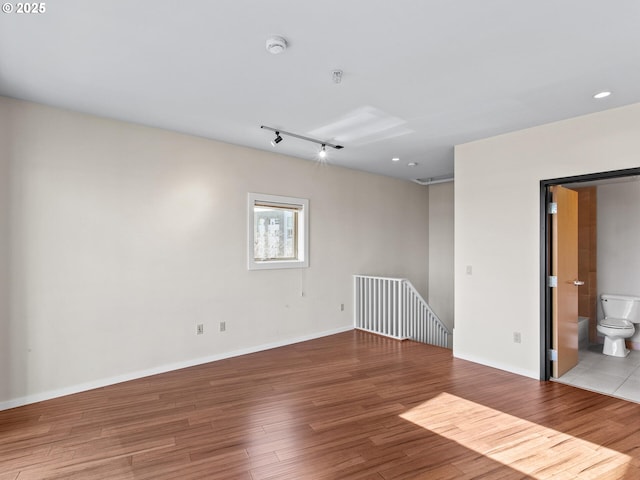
621,312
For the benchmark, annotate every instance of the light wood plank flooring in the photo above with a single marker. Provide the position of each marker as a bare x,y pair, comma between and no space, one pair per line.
348,406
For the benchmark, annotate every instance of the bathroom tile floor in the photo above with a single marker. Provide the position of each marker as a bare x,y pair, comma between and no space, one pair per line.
618,377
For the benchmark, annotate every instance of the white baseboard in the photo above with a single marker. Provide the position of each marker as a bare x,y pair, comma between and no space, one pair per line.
499,366
83,387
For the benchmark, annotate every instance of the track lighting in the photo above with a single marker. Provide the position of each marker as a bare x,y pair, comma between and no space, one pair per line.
323,150
276,140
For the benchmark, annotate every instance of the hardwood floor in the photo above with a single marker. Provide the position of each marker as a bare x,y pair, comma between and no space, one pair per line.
349,406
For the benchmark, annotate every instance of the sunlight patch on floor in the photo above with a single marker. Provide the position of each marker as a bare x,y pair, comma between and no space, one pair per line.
527,447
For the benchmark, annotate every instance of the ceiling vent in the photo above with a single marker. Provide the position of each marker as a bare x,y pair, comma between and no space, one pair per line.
434,180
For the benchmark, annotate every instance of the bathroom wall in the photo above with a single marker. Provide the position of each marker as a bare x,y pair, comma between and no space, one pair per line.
588,256
619,240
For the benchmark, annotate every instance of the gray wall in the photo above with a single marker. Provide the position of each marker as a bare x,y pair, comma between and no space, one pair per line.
5,255
441,282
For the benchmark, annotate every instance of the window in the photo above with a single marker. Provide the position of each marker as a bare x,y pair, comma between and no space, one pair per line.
278,232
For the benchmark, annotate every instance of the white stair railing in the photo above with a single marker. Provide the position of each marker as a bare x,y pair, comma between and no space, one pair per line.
394,308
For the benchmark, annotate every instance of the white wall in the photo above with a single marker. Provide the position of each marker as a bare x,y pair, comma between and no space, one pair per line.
123,238
5,325
619,238
441,239
497,226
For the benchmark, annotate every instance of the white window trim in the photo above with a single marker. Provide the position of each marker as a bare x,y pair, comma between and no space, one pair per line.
303,232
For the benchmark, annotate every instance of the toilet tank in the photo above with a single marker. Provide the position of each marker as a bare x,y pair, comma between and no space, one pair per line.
621,306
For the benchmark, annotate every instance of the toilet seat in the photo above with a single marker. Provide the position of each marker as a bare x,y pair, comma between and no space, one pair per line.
616,323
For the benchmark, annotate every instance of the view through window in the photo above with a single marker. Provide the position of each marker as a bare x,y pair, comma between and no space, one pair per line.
275,232
278,232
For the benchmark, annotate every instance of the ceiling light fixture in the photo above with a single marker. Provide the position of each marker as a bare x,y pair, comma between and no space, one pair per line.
276,140
323,143
412,164
323,151
395,159
603,94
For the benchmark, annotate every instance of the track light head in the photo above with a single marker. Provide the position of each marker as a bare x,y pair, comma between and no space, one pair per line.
323,151
276,140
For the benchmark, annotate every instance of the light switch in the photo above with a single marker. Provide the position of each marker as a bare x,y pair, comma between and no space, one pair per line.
469,270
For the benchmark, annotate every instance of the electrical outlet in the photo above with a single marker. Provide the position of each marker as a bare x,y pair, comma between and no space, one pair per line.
223,326
517,338
200,329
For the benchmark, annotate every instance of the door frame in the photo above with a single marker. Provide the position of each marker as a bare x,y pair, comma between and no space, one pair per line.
545,255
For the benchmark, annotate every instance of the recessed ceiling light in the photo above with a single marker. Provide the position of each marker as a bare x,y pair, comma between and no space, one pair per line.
604,94
395,159
412,164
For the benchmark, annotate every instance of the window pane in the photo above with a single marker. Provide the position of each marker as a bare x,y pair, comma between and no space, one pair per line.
275,231
278,232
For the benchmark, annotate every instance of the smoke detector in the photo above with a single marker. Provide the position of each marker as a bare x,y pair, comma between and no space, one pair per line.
276,45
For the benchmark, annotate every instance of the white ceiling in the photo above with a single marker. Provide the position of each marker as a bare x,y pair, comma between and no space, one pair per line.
419,76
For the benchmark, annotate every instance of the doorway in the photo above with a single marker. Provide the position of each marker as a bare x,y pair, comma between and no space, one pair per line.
559,309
